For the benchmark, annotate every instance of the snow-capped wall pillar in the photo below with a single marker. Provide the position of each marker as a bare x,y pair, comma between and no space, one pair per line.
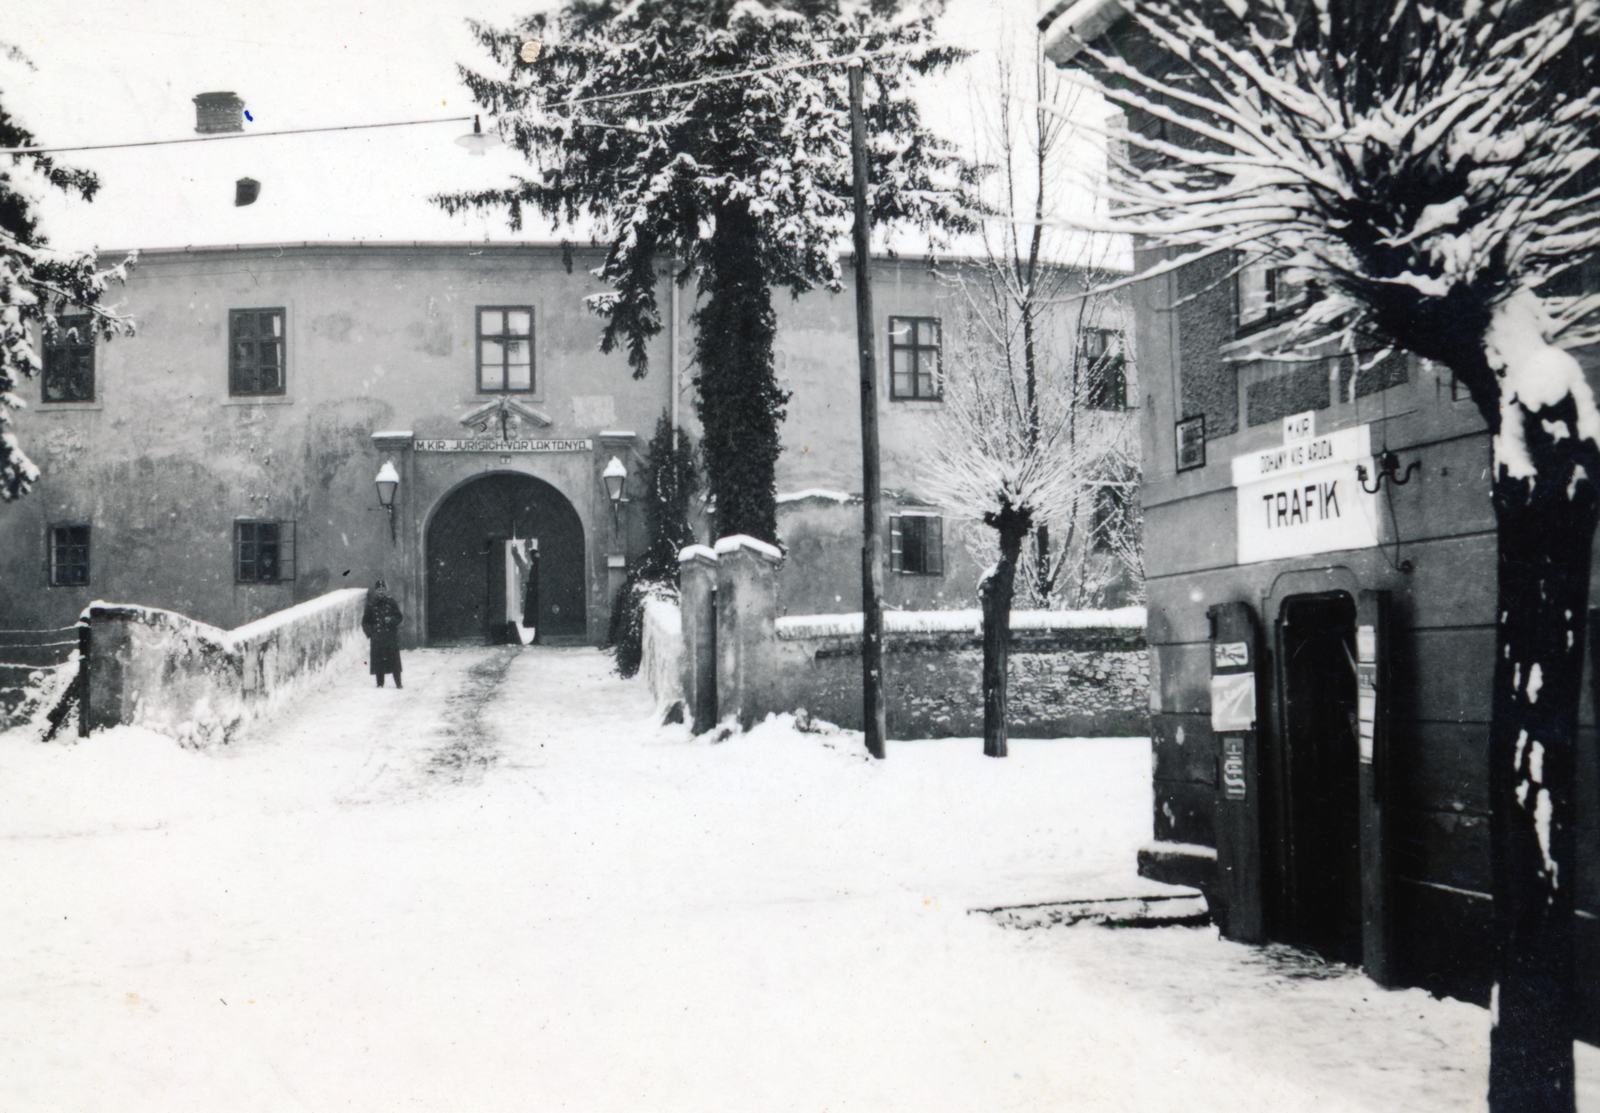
697,590
747,611
108,680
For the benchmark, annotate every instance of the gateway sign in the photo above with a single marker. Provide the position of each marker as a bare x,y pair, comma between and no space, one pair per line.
483,444
1304,497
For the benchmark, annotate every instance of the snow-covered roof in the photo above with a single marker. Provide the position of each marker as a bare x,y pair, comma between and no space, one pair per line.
126,71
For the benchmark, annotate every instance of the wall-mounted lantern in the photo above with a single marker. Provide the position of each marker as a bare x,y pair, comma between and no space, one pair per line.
479,141
388,482
1388,468
616,478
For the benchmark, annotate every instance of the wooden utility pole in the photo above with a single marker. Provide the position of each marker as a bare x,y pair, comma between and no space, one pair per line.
873,716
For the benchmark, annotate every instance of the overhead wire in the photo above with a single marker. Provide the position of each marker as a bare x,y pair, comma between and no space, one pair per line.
229,135
547,105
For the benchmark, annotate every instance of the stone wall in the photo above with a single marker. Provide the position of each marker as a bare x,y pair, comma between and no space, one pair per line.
661,651
1065,683
1072,673
200,684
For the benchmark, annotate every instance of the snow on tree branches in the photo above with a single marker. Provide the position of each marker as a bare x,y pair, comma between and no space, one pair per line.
1025,332
719,135
996,451
1419,165
37,283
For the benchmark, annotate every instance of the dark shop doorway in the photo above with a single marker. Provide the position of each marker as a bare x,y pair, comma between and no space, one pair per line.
1317,810
472,545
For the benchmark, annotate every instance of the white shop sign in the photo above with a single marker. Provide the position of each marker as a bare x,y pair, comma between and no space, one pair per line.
1304,497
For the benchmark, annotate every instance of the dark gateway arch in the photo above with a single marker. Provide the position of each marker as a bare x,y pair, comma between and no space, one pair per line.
466,560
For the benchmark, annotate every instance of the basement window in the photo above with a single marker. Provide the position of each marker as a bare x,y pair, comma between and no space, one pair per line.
69,556
916,544
263,551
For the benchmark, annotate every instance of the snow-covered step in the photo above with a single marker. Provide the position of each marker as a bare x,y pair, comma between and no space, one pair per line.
1164,909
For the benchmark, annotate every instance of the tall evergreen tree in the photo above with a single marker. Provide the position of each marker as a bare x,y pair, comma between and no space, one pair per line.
37,282
716,133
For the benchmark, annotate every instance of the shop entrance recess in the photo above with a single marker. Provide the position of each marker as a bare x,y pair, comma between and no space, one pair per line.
1323,805
1317,806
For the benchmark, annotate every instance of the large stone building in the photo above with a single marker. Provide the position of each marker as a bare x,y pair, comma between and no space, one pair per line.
1321,641
222,461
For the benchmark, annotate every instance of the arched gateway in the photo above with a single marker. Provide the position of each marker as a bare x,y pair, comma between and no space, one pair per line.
470,563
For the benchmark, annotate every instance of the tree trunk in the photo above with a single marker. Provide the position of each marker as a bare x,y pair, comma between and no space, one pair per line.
994,595
1545,526
1546,533
1047,580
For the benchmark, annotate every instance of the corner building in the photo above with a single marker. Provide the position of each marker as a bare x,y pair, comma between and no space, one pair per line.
1321,638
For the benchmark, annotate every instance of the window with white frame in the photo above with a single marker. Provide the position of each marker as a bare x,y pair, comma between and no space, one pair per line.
1266,294
914,353
505,349
1105,369
263,551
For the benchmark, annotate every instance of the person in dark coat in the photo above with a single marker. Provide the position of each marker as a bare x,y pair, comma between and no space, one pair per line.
380,621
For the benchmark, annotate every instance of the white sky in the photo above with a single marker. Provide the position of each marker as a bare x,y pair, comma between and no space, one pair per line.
110,71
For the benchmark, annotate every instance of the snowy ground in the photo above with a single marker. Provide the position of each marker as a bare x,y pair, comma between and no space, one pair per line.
500,888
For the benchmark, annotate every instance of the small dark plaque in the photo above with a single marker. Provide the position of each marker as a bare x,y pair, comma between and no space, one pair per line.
1191,441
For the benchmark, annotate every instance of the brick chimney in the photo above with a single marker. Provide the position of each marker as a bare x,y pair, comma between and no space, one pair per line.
218,112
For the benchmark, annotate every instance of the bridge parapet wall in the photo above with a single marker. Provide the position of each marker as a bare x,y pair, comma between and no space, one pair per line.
199,684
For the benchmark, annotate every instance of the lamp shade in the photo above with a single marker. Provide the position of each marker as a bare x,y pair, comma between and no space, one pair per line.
615,476
479,141
388,480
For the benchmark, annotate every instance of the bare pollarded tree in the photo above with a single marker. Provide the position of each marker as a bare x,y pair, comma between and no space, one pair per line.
1017,452
1090,549
1034,439
1429,169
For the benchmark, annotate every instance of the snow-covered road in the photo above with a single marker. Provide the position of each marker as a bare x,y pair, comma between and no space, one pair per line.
502,888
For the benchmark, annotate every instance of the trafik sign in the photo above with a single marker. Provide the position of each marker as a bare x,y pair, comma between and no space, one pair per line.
1304,497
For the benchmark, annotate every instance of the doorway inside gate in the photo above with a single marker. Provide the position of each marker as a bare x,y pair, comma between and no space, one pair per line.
1317,810
497,538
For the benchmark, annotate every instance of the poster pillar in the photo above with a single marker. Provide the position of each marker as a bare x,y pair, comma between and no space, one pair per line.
1373,654
1235,698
